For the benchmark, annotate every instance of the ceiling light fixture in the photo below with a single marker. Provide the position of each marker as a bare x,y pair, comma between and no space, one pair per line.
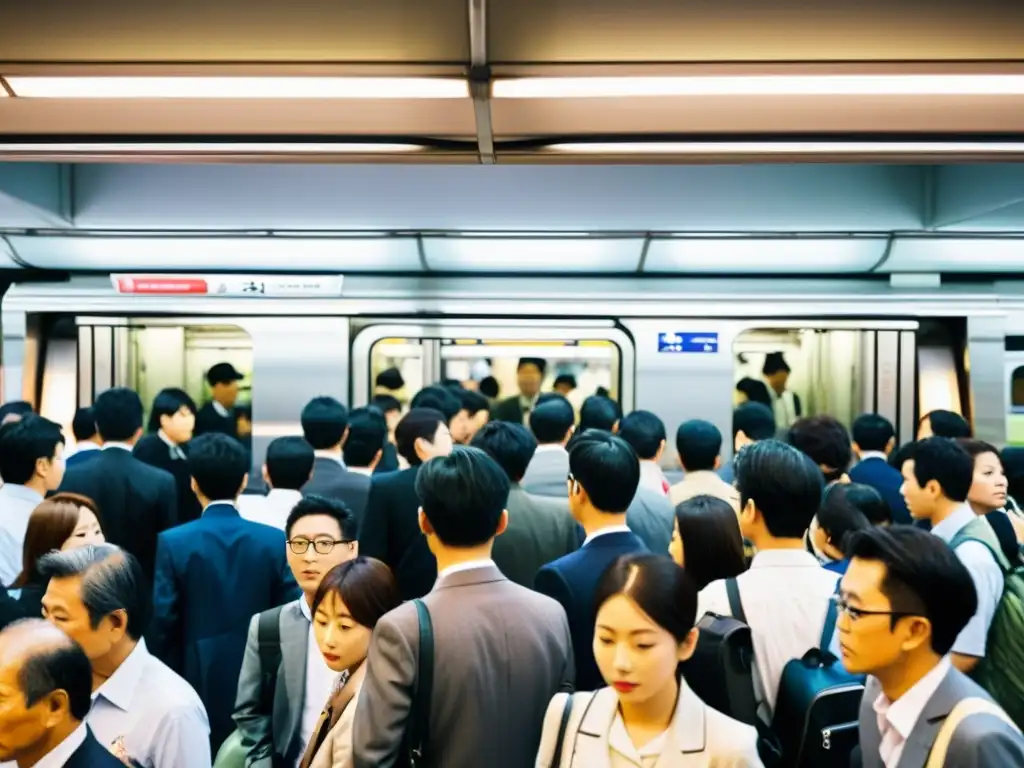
758,85
205,148
787,147
241,87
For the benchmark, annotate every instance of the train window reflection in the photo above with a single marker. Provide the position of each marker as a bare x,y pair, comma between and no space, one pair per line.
396,368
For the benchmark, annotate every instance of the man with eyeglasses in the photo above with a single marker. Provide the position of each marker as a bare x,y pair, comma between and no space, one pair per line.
285,681
903,601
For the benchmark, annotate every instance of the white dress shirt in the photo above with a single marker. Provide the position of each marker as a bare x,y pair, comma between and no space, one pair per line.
272,509
16,505
81,447
603,531
220,410
117,444
897,719
320,682
624,754
153,712
652,477
60,754
173,448
365,471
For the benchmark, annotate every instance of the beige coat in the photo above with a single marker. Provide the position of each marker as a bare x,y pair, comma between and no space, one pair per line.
702,483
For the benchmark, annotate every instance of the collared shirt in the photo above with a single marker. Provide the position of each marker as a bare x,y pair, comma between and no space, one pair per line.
117,444
902,715
320,682
652,477
327,454
785,596
526,405
153,713
987,577
81,447
272,509
216,502
865,455
220,409
173,447
366,471
603,531
16,505
624,754
467,566
783,406
548,447
60,754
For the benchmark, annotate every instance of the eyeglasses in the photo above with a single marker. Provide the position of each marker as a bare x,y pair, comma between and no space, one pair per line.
859,613
320,546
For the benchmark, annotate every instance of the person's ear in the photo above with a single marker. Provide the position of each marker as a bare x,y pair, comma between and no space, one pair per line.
689,644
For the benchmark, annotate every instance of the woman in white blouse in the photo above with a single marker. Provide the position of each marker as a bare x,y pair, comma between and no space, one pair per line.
350,600
648,717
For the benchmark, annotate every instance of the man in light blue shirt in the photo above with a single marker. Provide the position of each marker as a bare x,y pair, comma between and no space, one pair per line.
936,481
31,464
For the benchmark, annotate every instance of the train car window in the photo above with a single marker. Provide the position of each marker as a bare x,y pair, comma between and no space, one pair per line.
1017,389
396,368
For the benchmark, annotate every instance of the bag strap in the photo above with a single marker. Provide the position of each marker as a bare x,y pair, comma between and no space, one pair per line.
420,721
732,591
827,630
556,760
268,635
964,709
976,531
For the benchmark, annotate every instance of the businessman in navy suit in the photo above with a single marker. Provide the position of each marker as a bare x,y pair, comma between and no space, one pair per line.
212,576
873,440
604,473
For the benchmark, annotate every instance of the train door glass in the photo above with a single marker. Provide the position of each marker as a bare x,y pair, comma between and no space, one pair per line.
1015,411
403,355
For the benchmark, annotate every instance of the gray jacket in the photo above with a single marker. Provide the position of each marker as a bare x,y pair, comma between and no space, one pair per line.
652,517
547,473
501,651
332,480
540,529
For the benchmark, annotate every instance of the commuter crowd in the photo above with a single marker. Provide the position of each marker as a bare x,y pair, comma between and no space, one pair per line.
471,582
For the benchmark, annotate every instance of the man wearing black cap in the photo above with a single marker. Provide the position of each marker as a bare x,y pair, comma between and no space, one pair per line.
218,414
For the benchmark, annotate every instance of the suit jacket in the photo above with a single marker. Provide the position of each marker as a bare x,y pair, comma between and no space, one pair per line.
500,653
877,473
391,532
652,517
335,750
155,452
265,734
388,460
208,420
572,581
136,501
81,457
547,474
92,754
212,576
332,480
980,741
509,409
699,736
539,530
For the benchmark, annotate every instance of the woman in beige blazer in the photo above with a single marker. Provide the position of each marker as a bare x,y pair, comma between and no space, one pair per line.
648,717
350,600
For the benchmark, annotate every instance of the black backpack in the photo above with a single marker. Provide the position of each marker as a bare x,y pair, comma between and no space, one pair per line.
818,707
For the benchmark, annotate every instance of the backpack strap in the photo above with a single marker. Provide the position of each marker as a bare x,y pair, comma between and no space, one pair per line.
827,630
419,729
556,759
964,709
980,531
268,635
732,591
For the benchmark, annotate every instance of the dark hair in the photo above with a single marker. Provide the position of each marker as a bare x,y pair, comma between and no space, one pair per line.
83,425
540,363
365,585
607,467
23,443
321,505
947,424
367,434
390,378
976,448
754,420
922,576
756,391
418,423
565,378
440,399
463,496
50,525
946,462
699,443
644,431
552,419
872,432
825,440
386,403
511,445
218,463
774,362
1013,465
118,414
599,412
546,397
489,387
167,403
712,542
661,589
784,484
323,422
901,455
289,462
112,580
839,517
472,402
57,666
19,408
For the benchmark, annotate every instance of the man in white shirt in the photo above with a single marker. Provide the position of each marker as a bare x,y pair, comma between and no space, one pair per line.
276,723
786,592
367,436
31,464
288,467
100,598
785,403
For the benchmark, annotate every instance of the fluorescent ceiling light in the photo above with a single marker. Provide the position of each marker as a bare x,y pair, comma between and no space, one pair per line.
788,147
238,87
207,148
758,85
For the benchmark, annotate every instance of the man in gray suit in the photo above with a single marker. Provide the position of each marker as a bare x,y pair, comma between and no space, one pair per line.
651,515
276,711
325,427
903,601
552,423
501,651
539,529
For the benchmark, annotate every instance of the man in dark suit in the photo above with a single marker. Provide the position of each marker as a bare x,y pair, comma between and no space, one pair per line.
539,529
49,683
604,473
212,576
87,442
873,441
136,501
325,427
529,377
172,420
390,530
218,415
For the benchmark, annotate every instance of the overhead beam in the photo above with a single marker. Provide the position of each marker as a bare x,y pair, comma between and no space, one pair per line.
34,195
966,194
480,80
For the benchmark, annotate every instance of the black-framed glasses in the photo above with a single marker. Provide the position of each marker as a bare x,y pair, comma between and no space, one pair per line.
320,546
859,613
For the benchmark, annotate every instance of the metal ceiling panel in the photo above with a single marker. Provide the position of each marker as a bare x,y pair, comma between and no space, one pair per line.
782,255
959,254
511,253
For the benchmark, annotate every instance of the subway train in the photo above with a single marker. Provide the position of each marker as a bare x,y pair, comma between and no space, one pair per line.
675,346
